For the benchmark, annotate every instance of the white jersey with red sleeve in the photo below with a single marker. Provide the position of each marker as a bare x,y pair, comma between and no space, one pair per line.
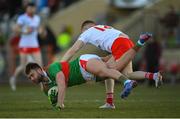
101,36
29,40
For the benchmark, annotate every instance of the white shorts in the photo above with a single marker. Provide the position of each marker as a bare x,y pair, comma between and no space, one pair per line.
83,62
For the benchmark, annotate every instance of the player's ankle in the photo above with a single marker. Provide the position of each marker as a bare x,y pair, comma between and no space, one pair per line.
110,103
151,76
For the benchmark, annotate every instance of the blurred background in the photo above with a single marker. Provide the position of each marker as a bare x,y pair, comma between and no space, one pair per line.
61,21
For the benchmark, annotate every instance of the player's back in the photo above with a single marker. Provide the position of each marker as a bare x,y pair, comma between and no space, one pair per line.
72,69
101,36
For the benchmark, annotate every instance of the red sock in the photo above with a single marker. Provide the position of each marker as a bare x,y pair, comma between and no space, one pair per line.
109,98
149,75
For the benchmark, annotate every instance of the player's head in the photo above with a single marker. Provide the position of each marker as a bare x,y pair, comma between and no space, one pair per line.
87,24
30,8
34,72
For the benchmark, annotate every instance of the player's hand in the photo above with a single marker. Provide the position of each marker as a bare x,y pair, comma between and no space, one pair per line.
62,106
53,98
57,108
28,30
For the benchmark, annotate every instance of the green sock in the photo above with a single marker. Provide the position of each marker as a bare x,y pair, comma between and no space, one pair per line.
122,79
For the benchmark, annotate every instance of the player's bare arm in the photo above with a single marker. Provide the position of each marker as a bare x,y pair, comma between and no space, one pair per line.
76,47
106,58
110,61
60,79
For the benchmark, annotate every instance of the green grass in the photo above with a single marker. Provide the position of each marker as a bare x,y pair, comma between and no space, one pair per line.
83,101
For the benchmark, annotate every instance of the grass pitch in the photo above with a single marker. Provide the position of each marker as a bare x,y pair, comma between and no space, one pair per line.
84,100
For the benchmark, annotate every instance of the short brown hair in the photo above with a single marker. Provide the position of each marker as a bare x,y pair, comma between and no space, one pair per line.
87,22
30,4
30,66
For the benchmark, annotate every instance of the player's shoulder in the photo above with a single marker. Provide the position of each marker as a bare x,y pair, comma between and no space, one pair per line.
89,30
54,64
53,67
22,16
98,25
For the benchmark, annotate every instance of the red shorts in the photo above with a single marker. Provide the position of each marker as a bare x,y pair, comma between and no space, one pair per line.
120,46
29,50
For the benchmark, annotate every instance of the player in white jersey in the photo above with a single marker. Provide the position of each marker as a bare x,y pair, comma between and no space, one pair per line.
122,49
27,25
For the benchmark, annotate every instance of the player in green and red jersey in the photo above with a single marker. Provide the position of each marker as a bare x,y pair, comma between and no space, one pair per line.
64,74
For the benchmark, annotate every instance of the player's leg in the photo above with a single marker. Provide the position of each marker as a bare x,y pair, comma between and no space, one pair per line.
123,58
127,51
128,69
119,49
83,63
122,62
37,57
124,51
104,72
139,75
18,70
109,86
128,85
94,65
101,70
